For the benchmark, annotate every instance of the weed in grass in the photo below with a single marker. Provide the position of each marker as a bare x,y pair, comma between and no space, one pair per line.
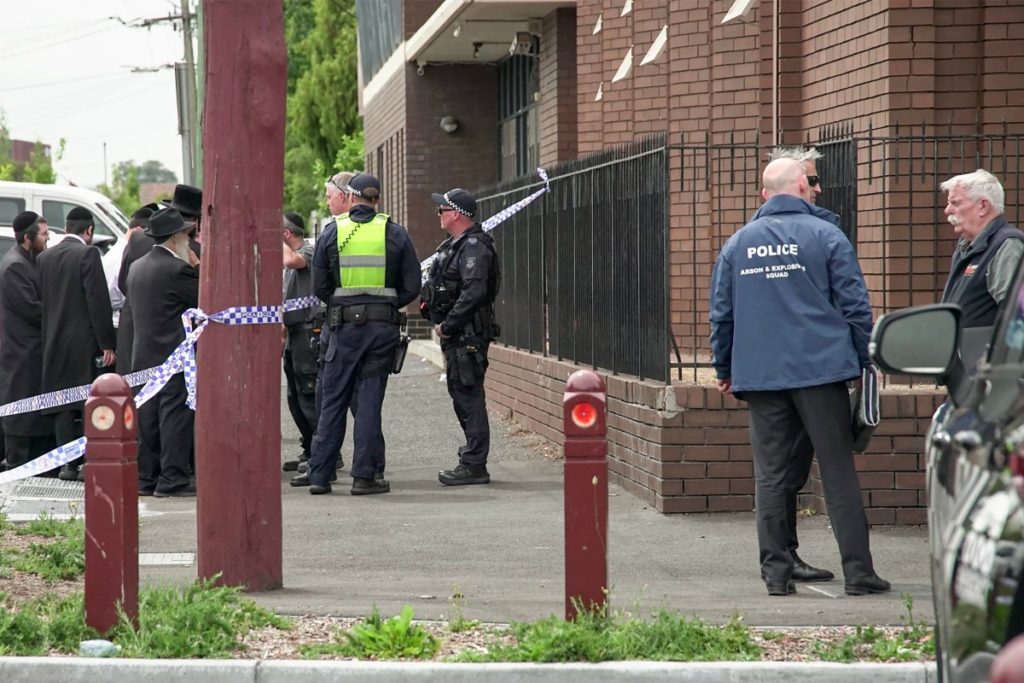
62,559
909,644
375,638
457,621
597,637
48,526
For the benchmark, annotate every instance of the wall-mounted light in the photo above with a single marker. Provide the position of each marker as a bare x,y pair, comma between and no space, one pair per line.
458,30
449,124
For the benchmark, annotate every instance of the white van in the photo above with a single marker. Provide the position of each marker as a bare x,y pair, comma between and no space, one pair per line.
53,202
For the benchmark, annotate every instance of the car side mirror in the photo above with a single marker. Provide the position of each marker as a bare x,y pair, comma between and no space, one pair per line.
920,341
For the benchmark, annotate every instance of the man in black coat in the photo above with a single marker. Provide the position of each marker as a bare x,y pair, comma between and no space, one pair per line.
162,285
138,245
188,201
77,323
28,435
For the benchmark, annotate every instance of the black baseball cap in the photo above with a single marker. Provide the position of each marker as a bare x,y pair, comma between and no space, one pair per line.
360,183
458,199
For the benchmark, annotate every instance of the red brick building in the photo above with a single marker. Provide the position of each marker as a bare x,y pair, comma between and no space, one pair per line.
656,112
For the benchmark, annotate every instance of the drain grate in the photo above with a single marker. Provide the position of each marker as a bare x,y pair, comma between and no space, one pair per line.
52,489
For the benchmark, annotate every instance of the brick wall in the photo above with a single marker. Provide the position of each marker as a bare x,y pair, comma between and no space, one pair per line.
558,87
686,448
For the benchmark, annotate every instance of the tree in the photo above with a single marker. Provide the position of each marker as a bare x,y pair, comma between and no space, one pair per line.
38,168
123,189
324,128
154,171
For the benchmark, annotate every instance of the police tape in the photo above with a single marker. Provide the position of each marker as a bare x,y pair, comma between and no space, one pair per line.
497,219
183,358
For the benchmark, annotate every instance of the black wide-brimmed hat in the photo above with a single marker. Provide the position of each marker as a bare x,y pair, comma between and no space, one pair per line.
165,223
187,200
458,199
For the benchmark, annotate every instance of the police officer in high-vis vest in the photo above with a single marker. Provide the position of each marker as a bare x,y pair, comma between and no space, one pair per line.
365,269
459,299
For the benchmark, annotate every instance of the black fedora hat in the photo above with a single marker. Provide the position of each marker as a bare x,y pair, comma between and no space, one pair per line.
187,200
165,222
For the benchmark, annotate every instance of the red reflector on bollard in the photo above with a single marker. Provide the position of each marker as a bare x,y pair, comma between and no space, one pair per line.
584,415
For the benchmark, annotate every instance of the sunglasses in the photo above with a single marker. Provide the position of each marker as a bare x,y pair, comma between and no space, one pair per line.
812,180
442,209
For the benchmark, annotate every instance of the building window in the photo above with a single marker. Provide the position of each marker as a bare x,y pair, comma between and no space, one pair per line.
518,87
380,33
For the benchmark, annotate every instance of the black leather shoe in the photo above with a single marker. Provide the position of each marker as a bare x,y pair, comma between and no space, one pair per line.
293,465
366,487
68,472
867,584
464,474
808,574
787,588
143,493
187,491
316,490
303,479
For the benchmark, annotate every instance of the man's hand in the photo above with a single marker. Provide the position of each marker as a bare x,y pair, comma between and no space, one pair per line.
725,386
437,330
109,357
193,260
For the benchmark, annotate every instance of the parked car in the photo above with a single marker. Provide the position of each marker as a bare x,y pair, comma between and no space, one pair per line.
53,202
104,242
975,450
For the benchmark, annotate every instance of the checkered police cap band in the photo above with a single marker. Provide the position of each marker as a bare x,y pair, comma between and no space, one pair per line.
352,190
456,206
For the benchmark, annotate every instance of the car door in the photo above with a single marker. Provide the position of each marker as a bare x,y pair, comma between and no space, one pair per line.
56,212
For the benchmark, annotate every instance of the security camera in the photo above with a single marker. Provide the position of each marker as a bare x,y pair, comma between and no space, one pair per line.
420,63
522,44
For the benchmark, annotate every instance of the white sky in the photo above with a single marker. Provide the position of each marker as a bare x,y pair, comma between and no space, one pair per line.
65,72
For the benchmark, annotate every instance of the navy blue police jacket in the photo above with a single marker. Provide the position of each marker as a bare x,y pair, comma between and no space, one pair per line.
789,307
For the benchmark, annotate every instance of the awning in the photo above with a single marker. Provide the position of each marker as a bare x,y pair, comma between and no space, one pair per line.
477,30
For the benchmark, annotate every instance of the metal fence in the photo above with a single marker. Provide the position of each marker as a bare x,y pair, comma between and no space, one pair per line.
885,188
585,267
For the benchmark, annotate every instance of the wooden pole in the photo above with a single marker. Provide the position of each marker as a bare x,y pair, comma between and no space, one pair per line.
238,416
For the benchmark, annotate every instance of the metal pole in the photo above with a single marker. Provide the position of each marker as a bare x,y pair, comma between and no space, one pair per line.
105,164
190,88
184,123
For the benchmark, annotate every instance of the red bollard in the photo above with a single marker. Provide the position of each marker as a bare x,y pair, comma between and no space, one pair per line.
111,504
584,407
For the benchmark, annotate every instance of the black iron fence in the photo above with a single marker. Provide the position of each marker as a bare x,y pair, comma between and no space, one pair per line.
885,189
585,267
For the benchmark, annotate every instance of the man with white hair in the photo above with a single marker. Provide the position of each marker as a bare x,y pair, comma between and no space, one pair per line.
790,322
808,158
986,257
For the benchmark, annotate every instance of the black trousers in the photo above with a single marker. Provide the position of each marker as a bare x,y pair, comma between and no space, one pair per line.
67,427
777,419
800,470
300,373
22,449
166,438
356,356
466,388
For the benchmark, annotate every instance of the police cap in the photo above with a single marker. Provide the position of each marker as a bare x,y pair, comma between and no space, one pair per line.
458,199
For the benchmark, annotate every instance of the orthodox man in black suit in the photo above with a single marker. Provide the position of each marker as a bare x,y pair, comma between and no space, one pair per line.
162,285
188,201
78,325
28,435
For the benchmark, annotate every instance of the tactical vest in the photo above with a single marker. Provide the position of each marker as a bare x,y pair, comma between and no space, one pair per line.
362,257
968,275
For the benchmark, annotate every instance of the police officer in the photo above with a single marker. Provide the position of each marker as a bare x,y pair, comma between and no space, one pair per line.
365,269
459,299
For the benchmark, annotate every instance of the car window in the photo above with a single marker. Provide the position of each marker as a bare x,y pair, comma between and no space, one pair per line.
9,208
1008,342
6,243
56,214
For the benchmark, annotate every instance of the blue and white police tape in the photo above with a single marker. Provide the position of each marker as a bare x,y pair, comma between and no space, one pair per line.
497,219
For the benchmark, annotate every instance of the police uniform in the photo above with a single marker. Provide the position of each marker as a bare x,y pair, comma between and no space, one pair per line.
459,296
365,268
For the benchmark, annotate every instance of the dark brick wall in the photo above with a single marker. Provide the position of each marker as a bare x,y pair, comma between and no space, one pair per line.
686,448
558,87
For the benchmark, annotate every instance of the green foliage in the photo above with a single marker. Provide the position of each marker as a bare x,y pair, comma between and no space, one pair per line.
62,558
457,621
199,621
153,171
374,638
324,129
38,168
597,637
911,643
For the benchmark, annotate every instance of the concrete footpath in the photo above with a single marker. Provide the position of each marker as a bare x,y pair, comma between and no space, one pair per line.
502,544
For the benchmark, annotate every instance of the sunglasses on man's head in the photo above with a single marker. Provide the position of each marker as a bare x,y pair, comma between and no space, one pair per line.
812,180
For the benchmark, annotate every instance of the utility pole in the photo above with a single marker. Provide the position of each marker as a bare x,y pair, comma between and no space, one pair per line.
190,94
105,164
238,416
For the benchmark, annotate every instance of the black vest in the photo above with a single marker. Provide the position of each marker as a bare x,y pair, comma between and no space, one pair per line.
968,275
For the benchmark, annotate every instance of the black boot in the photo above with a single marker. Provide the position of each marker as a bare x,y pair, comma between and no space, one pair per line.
293,465
68,472
303,479
808,574
366,487
464,474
